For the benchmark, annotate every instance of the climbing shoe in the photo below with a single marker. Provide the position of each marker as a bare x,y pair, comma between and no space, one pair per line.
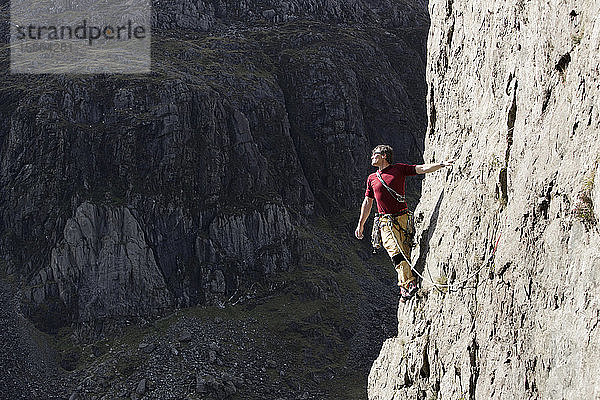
403,291
412,288
404,296
406,293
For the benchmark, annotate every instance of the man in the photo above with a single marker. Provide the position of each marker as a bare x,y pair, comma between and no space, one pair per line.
393,211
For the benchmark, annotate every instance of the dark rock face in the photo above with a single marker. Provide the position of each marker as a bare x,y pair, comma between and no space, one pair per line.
103,267
126,195
209,15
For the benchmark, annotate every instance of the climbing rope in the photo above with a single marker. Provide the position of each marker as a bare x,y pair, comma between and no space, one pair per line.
450,287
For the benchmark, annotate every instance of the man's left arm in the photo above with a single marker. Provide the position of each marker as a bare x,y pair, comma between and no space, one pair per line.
427,168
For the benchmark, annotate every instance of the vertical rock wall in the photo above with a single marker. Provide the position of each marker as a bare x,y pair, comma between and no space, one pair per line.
513,96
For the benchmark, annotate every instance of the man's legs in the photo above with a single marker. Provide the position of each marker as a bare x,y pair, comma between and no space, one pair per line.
396,245
405,274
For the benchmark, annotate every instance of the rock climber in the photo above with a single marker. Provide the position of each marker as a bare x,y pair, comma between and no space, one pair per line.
392,220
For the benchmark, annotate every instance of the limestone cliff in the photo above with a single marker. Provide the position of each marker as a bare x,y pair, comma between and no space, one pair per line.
513,96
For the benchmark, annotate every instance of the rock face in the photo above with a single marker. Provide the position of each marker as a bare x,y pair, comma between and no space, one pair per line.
124,195
103,267
209,14
513,97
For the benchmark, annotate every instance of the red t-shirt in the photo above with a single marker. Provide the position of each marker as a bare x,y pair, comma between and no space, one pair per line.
393,175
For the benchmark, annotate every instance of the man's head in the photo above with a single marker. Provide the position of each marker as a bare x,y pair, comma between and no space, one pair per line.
381,155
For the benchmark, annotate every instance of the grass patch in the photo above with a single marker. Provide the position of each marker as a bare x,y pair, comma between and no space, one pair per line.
584,207
127,365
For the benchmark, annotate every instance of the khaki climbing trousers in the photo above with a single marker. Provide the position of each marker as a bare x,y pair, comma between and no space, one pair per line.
393,235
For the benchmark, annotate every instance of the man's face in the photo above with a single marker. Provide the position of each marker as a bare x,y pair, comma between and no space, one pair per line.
377,159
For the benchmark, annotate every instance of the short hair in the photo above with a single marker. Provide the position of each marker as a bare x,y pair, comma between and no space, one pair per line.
386,151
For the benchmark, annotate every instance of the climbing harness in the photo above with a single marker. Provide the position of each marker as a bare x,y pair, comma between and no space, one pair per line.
409,232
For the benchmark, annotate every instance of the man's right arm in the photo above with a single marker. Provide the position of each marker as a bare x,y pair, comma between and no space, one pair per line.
427,168
365,210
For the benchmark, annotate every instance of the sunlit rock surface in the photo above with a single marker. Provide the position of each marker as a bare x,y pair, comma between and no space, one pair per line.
513,89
